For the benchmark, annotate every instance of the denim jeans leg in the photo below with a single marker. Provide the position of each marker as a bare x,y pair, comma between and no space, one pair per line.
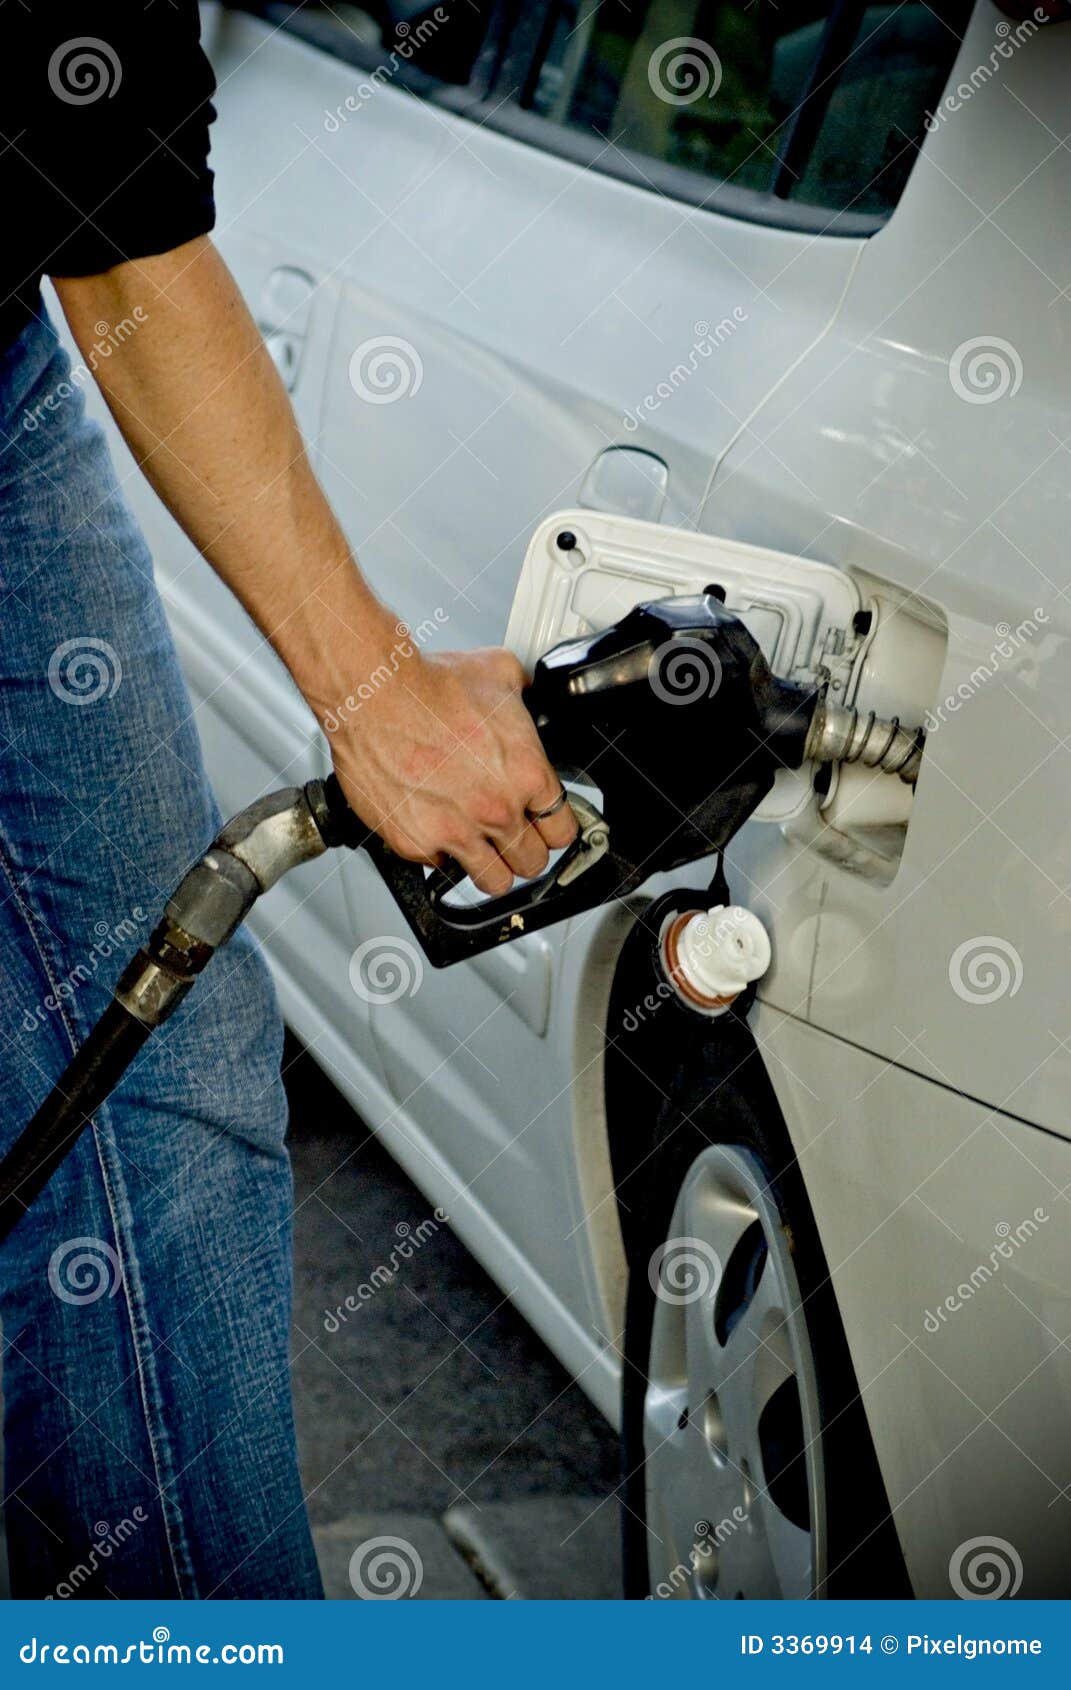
149,1439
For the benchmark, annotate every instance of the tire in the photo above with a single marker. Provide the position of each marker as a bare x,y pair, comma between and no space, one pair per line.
748,1466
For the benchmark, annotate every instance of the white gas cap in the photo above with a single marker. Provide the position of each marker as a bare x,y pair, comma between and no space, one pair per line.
711,956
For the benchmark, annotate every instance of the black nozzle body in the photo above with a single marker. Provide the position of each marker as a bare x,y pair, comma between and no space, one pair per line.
674,714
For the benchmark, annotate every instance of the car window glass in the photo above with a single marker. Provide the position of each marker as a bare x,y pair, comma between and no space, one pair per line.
874,121
704,86
818,101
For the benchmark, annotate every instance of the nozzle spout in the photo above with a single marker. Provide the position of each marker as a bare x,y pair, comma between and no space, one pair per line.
838,734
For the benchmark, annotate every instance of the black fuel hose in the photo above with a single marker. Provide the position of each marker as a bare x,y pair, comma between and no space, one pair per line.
92,1074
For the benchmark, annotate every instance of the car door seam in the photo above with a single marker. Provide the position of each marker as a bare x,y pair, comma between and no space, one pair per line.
788,371
817,946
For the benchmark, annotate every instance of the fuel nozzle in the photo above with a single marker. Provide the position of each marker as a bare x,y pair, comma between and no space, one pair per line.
675,714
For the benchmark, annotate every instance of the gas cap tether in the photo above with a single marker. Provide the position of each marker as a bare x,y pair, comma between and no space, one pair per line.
711,956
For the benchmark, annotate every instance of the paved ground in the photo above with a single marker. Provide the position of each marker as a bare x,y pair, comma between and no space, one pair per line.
429,1409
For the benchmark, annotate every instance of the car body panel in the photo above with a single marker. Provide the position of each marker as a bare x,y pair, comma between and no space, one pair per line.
922,1196
870,456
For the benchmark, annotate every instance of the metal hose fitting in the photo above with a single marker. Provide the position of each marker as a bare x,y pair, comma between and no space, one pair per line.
838,734
248,856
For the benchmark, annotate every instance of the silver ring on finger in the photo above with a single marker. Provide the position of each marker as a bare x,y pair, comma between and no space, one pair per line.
551,809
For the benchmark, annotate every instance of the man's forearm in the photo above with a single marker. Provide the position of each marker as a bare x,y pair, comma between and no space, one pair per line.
444,760
201,406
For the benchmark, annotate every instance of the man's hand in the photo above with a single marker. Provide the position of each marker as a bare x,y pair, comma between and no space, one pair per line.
443,759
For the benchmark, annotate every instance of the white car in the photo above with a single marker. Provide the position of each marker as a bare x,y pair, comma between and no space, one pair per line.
745,291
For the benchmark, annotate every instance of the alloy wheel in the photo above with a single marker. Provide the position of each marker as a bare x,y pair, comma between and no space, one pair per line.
734,1470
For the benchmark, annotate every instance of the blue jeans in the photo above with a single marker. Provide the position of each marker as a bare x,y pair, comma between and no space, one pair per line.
149,1441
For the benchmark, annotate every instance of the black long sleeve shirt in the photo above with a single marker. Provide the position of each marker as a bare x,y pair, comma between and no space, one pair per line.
104,114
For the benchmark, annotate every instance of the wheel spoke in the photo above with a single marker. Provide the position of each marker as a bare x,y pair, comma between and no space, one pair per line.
671,1479
717,1216
702,1352
790,1550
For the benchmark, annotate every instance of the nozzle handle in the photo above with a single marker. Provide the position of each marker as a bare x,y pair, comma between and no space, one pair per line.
449,931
